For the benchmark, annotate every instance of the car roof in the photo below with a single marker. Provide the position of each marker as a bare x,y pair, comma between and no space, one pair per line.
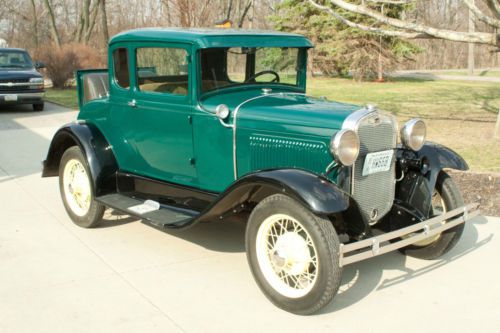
207,38
12,49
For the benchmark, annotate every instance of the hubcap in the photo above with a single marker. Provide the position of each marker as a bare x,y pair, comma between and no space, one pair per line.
76,187
287,255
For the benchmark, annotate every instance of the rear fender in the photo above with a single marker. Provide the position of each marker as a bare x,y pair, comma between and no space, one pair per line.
95,147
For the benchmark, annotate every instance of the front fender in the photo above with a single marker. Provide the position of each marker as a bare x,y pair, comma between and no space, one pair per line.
317,193
440,157
417,186
95,147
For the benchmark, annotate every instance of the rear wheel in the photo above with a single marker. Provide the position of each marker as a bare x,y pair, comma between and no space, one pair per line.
446,197
293,255
76,189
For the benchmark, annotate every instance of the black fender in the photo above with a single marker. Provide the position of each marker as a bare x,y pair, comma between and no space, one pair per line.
440,157
100,158
315,192
420,178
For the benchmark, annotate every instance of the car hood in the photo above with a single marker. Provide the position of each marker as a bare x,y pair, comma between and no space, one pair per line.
18,73
283,109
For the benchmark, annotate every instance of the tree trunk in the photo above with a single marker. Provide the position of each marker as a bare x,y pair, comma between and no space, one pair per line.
35,24
470,56
53,27
496,134
104,21
245,12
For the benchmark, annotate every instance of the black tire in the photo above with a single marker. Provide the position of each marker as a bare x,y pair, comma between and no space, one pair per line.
38,106
96,210
447,189
326,244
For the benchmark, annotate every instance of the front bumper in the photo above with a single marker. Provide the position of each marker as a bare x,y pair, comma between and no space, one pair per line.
21,97
374,246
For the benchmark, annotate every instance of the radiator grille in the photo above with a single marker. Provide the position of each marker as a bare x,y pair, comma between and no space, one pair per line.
25,80
374,193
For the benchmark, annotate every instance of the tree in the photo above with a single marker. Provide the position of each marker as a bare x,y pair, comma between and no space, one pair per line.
104,20
53,26
339,47
406,28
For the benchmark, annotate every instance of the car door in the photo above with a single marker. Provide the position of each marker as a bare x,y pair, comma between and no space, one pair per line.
159,129
118,126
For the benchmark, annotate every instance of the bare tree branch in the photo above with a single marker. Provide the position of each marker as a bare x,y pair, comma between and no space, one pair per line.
480,15
457,36
245,12
104,21
494,6
391,33
53,27
392,2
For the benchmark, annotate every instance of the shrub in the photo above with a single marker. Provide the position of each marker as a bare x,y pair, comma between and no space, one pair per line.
62,63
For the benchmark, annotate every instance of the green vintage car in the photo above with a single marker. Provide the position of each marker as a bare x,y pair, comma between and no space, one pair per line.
200,125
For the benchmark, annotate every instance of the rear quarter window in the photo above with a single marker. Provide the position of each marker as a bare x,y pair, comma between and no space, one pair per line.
120,67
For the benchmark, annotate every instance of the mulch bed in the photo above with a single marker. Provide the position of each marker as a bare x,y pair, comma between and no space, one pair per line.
480,187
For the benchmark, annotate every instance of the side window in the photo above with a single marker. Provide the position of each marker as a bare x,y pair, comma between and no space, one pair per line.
120,66
162,70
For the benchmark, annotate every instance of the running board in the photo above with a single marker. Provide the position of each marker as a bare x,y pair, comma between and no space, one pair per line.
149,211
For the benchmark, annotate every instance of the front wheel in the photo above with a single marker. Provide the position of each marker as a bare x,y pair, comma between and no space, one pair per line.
38,106
446,197
76,189
293,255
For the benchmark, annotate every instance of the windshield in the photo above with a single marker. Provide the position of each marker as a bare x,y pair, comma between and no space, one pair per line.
15,59
227,67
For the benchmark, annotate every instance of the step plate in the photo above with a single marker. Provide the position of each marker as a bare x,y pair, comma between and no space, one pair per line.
164,217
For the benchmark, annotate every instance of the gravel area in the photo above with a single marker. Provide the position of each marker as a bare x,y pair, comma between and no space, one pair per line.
480,187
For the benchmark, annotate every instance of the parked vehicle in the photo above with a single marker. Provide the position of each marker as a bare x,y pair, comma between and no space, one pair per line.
191,126
20,83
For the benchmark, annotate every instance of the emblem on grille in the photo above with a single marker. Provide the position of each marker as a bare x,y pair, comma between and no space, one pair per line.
374,214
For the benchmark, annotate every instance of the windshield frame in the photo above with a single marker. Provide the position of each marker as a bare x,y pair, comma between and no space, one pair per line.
25,54
300,86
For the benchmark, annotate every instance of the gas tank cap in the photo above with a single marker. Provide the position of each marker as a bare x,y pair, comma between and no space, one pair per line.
266,91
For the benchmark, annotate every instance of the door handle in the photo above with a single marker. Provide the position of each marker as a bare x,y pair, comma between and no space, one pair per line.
132,103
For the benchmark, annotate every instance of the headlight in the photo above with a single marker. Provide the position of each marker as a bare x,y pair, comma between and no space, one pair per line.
38,80
345,146
413,134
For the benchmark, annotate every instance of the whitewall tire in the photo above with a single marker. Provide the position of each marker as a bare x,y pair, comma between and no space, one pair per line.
293,255
77,193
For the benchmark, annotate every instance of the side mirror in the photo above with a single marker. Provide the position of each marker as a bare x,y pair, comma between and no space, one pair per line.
39,65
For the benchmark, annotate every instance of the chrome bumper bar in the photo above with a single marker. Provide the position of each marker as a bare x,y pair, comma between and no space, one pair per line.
372,247
24,94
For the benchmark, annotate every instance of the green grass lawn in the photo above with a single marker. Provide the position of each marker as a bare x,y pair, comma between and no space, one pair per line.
64,97
459,114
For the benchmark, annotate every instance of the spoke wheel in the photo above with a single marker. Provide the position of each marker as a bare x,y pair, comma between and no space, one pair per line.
77,193
293,254
76,187
287,255
446,197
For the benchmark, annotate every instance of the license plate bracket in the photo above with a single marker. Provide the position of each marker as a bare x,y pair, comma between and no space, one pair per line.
378,162
10,98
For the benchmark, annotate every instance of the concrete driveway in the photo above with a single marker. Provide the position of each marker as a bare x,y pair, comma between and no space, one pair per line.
128,277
